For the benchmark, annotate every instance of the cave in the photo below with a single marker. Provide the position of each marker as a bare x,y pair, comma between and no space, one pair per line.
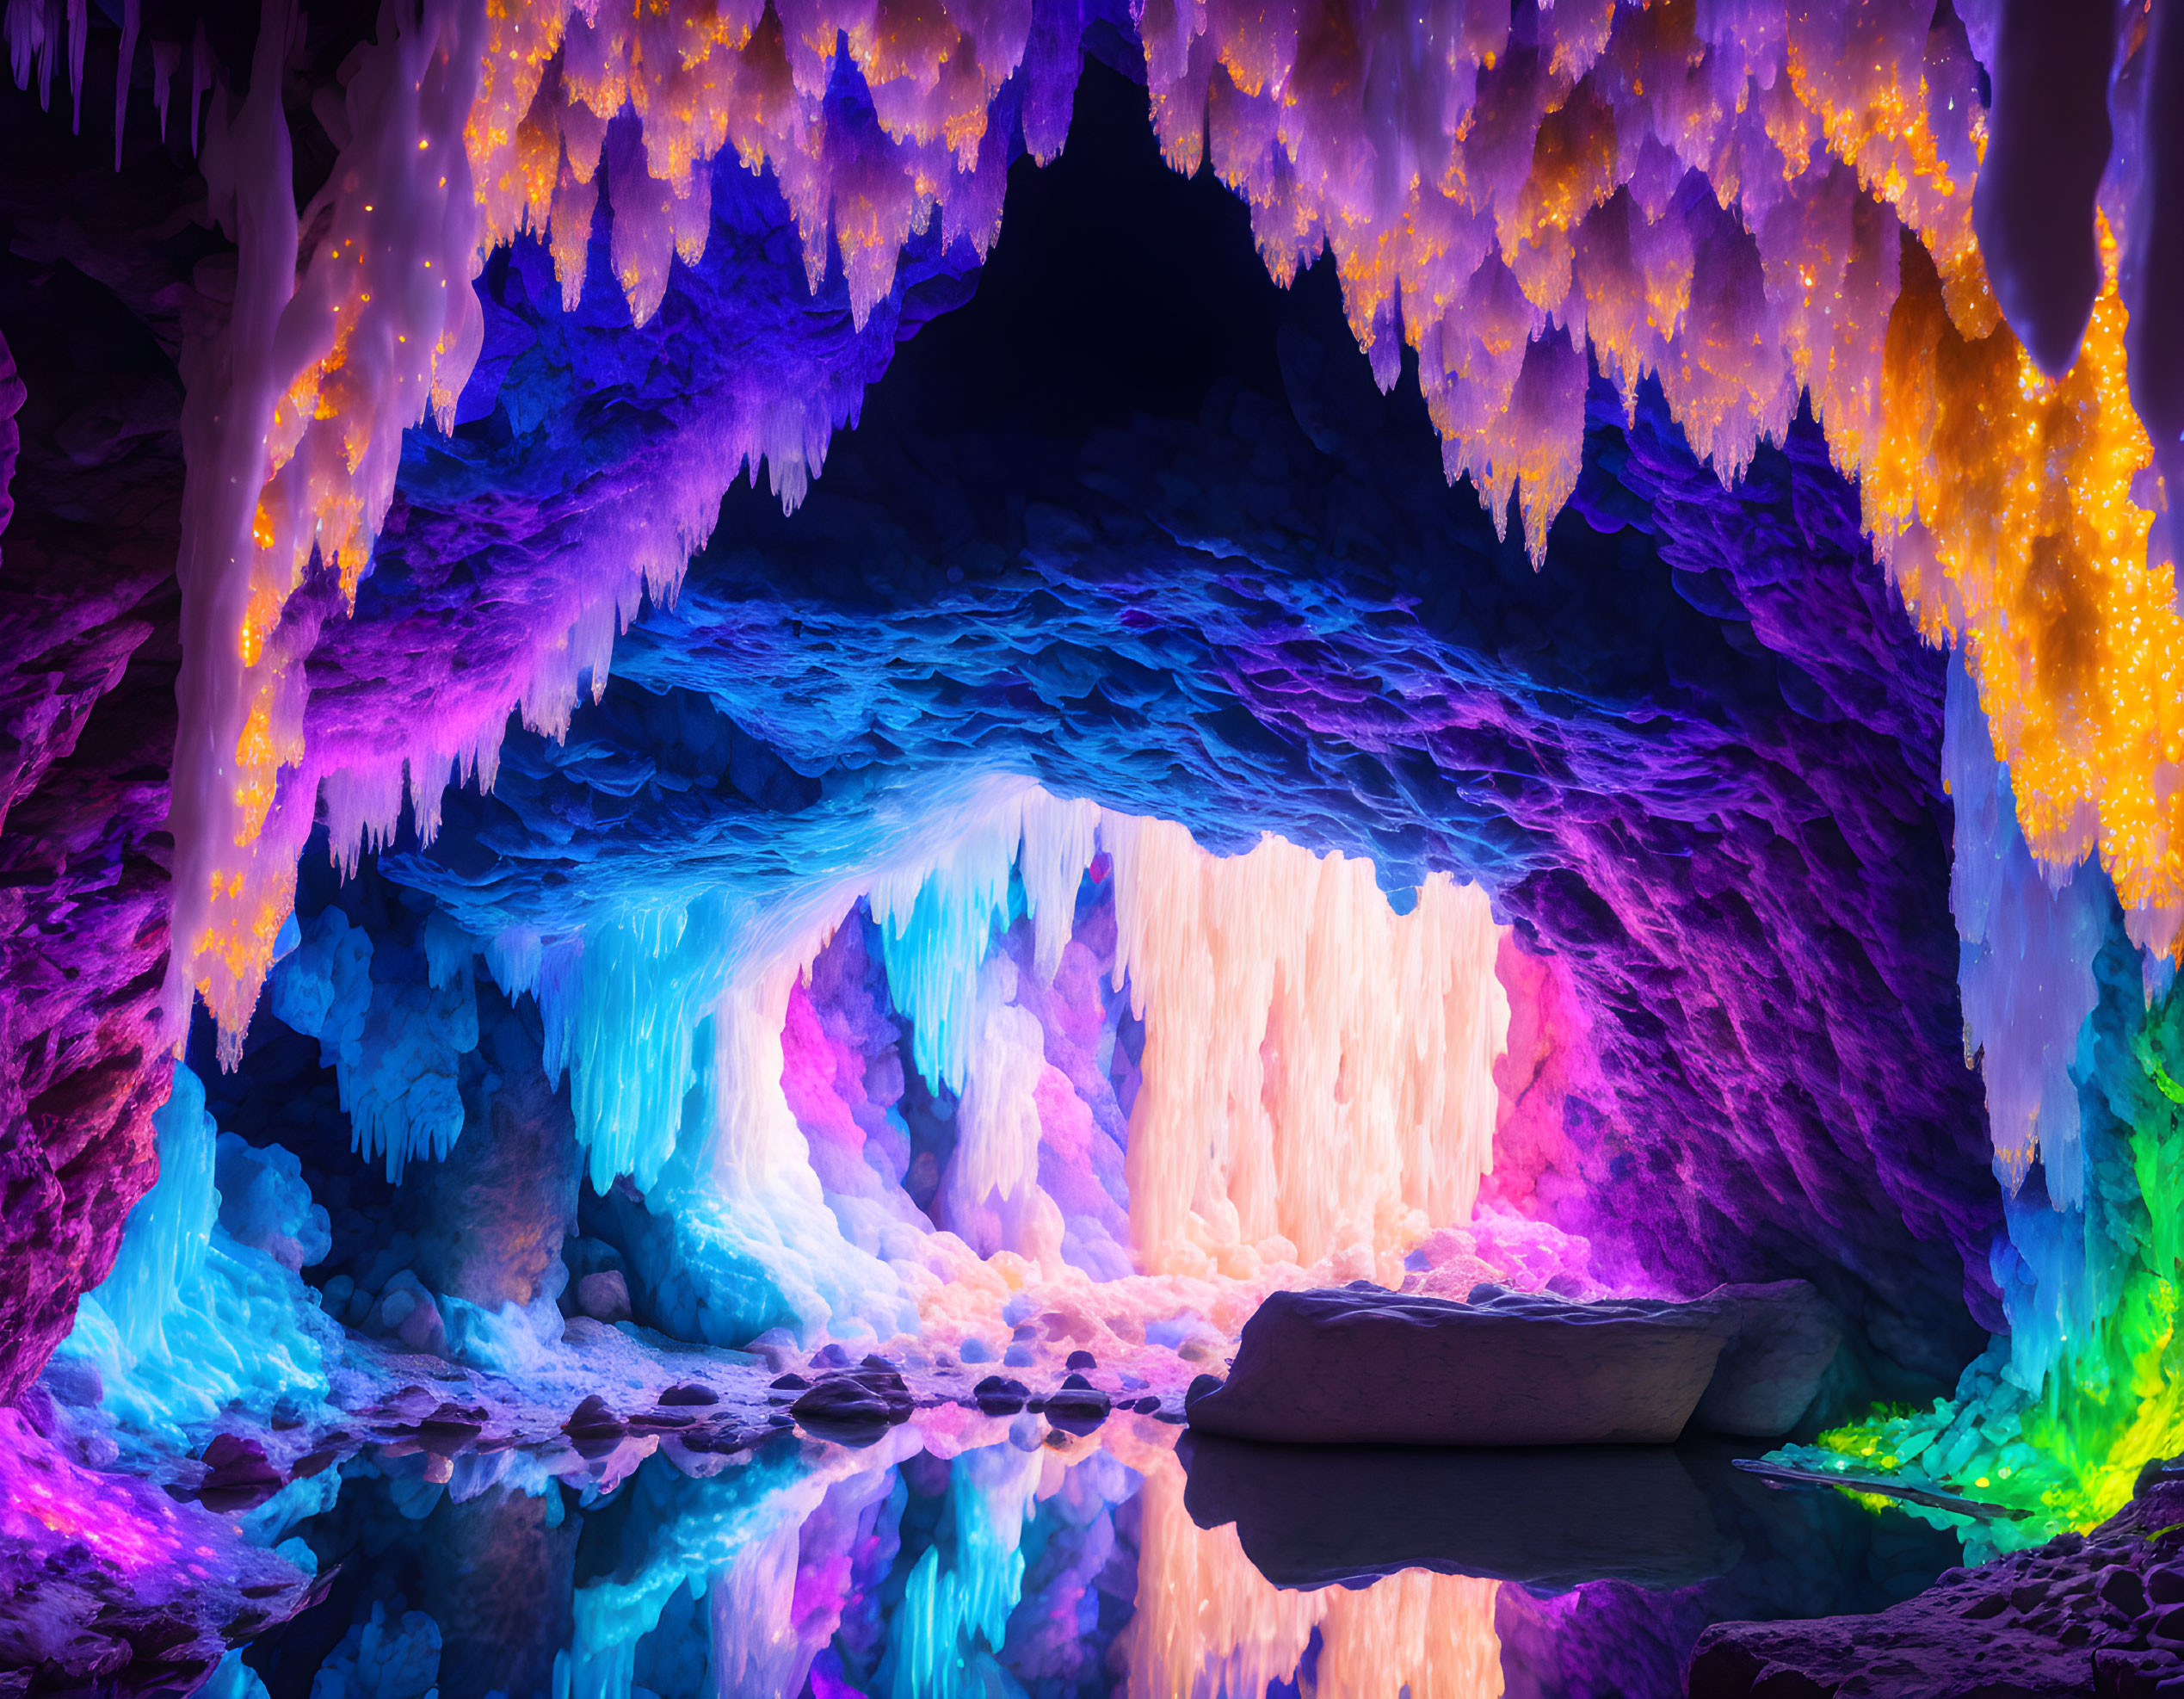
1036,848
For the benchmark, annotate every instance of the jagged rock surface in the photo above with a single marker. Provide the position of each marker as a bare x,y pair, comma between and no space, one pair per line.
2099,1614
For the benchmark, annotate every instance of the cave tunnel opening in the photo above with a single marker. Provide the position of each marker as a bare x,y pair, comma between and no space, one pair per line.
1086,849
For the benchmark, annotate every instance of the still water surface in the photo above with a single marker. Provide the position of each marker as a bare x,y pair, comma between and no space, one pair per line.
954,1556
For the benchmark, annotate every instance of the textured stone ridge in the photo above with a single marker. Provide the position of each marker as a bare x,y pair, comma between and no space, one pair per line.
93,303
2099,1614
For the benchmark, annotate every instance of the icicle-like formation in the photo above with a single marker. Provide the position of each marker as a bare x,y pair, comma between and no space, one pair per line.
1496,190
126,65
327,371
2015,513
1317,1092
204,1312
2026,975
476,123
1715,195
1209,1623
936,922
395,1048
933,1652
1318,1070
164,1243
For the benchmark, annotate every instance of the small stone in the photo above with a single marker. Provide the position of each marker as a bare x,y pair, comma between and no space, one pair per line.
450,1429
793,1383
1082,1360
1078,1407
594,1429
239,1476
2122,1588
977,1350
422,1329
72,1380
1019,1357
604,1296
853,1409
689,1393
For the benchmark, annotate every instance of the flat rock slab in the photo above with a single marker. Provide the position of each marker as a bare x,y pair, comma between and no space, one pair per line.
1550,1518
1780,1340
1362,1365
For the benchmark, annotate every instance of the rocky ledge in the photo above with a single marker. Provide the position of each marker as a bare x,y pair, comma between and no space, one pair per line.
2099,1614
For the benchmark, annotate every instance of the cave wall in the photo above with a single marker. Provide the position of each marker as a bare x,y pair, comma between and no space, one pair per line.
1695,758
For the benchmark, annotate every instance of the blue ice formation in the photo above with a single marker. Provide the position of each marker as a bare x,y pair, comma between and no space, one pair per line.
672,1538
955,1615
205,1313
1698,761
164,1245
2031,980
392,1655
233,1679
392,1040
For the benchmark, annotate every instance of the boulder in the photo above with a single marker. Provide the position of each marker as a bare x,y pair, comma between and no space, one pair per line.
1780,1339
1777,1340
854,1407
1362,1365
604,1296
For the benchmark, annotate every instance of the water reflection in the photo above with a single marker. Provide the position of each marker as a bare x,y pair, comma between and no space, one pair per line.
955,1558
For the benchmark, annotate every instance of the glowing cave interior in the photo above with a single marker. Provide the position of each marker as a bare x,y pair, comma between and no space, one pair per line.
1036,848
